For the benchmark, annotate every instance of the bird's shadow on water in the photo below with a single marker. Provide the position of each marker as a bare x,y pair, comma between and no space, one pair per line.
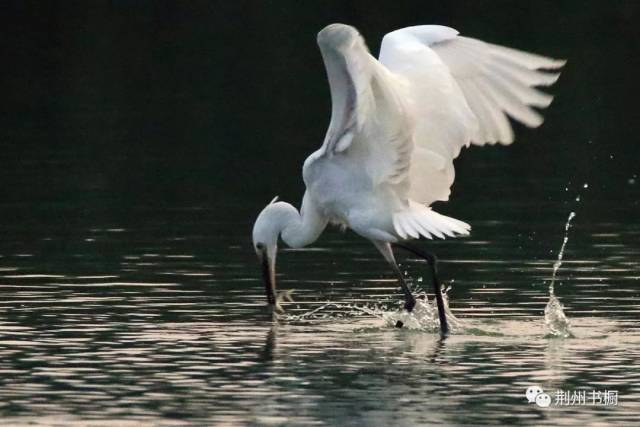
412,341
438,349
266,356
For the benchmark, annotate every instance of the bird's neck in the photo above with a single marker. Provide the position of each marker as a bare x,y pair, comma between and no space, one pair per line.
304,227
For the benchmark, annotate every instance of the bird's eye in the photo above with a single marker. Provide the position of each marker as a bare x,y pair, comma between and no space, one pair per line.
259,246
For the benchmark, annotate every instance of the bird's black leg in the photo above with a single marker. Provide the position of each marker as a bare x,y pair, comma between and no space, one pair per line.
387,253
432,261
409,299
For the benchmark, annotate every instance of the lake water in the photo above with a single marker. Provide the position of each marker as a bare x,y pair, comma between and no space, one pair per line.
157,315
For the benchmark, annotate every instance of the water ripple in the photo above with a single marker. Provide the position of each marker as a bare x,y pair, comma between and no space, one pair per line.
162,327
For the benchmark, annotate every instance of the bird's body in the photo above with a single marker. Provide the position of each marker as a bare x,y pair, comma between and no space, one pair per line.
397,124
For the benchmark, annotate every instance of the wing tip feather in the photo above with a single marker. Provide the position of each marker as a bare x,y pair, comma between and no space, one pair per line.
419,220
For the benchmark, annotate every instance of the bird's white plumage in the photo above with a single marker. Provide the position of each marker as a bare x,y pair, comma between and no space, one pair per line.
366,106
398,123
461,91
420,220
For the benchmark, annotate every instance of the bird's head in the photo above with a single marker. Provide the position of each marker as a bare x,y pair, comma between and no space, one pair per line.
270,223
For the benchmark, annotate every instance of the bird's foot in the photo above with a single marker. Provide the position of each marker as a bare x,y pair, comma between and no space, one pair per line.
284,296
281,297
409,304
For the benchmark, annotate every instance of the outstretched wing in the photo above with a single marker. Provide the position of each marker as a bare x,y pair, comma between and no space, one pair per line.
369,121
461,91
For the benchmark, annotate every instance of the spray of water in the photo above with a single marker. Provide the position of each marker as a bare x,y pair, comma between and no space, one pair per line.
558,263
555,320
424,316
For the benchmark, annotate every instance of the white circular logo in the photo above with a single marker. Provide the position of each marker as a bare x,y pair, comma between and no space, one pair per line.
543,400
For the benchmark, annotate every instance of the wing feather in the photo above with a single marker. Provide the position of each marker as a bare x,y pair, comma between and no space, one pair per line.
368,118
419,220
462,91
405,118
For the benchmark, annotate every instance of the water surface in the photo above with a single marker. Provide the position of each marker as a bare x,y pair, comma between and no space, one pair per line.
157,315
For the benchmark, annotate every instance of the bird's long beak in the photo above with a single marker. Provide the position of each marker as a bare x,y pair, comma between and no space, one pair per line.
269,276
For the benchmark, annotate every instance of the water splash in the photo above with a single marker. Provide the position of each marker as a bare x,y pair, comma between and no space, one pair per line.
558,263
424,316
555,320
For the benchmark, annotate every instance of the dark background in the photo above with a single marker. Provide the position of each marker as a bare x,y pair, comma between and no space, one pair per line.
122,103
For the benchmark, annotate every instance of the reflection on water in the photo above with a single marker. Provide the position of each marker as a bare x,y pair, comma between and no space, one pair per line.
160,318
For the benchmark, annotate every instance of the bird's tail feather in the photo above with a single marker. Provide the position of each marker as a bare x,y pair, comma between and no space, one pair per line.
419,220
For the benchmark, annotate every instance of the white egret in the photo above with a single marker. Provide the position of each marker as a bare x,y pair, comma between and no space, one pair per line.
397,124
